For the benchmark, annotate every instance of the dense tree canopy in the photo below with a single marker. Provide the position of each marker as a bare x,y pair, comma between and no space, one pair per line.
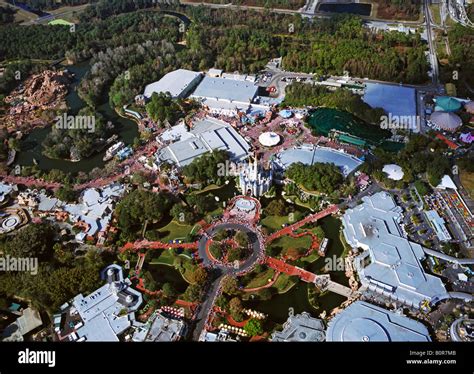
303,95
325,178
35,240
208,168
140,206
162,108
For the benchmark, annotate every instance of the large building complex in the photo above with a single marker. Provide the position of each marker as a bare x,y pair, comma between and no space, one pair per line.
205,136
390,264
178,83
105,314
226,95
364,322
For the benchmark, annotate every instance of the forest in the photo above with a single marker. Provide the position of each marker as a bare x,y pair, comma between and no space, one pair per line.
321,177
129,50
399,9
60,276
278,4
461,60
303,95
76,144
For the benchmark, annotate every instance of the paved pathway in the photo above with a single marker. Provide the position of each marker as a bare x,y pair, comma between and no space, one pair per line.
311,218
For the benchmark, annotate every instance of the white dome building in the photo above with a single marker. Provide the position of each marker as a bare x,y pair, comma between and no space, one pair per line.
269,139
393,171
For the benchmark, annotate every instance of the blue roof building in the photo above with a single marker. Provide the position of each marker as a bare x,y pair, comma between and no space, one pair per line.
364,322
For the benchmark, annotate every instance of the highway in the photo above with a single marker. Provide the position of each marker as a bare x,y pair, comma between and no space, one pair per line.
308,11
431,44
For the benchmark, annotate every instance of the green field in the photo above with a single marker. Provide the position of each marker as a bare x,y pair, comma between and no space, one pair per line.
284,283
261,279
274,223
286,242
174,230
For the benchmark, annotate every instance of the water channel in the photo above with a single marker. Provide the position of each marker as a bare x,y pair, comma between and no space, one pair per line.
297,298
31,148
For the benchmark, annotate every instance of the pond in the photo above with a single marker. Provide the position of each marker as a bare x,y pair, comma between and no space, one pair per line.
166,274
354,8
31,148
297,297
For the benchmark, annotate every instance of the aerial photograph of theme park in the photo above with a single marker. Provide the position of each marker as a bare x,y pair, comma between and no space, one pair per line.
236,171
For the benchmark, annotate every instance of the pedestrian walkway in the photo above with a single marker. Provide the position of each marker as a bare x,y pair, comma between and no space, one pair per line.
321,281
146,244
311,218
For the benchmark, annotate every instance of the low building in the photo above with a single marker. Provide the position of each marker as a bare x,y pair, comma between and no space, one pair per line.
205,136
160,328
364,322
5,192
389,264
222,335
25,324
95,209
227,96
439,225
446,121
105,314
178,83
300,328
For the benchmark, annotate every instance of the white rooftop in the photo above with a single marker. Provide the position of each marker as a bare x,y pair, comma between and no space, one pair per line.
206,135
175,82
300,328
447,182
438,224
393,171
226,89
394,269
364,322
109,310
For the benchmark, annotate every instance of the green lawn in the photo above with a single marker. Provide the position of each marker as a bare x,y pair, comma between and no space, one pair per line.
311,258
261,279
174,230
274,222
166,257
284,283
286,242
